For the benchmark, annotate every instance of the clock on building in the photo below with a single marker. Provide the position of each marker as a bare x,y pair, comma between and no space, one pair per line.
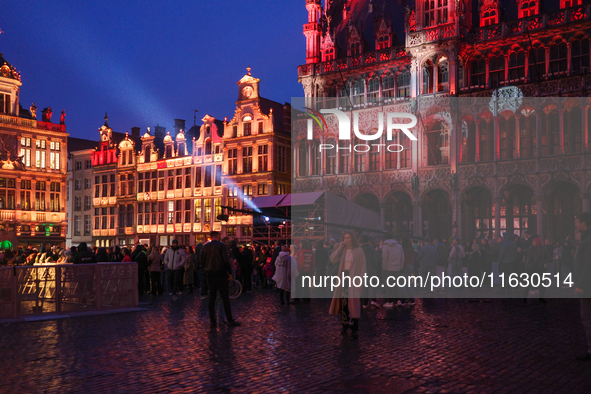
247,92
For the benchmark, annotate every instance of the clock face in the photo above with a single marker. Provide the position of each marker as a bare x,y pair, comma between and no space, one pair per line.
247,92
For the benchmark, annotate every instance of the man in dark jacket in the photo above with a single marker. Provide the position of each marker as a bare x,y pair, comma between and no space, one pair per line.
140,256
200,271
84,256
582,276
216,264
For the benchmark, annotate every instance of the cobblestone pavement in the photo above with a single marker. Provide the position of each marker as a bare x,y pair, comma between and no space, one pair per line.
437,346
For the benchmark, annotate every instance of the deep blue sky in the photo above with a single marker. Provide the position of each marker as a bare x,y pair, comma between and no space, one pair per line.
148,62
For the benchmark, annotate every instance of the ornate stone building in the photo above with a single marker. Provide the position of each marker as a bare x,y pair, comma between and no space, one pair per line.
514,163
159,187
32,169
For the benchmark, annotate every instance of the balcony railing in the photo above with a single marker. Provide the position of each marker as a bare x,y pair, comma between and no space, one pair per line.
17,121
66,288
538,22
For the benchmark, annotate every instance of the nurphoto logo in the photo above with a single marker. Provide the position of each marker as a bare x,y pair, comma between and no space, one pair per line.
391,119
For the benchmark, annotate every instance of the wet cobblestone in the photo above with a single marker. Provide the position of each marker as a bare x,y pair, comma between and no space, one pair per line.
437,346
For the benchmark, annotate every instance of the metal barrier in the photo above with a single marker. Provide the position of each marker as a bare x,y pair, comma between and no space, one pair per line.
66,288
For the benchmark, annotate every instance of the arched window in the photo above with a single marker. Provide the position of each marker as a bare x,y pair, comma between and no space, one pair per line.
404,84
516,66
208,147
344,101
580,56
569,3
388,87
497,71
355,47
528,8
537,64
373,90
478,72
331,157
468,141
442,76
383,41
329,54
527,134
168,151
392,153
489,17
303,159
428,77
558,63
316,163
437,142
147,153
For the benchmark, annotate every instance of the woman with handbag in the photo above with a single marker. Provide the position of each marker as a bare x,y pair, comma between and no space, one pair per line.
347,300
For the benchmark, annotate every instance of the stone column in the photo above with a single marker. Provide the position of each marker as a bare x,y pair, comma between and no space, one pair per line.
418,218
538,115
271,156
496,139
517,152
585,124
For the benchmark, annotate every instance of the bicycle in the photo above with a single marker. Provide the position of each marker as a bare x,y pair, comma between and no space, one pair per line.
235,289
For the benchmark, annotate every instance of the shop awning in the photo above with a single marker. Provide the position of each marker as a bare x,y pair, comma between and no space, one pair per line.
296,199
268,201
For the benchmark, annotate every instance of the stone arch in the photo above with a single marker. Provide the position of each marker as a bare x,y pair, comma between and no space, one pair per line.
518,208
398,213
562,201
369,201
436,214
477,212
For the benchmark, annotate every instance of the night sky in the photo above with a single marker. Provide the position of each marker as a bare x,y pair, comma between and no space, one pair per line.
149,62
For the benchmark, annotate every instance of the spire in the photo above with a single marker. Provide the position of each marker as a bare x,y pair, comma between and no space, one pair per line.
106,120
248,70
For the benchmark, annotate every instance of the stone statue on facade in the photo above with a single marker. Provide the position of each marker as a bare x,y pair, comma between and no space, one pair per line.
454,180
63,117
33,109
414,181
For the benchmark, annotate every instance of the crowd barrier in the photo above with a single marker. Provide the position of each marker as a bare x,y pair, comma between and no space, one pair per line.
66,288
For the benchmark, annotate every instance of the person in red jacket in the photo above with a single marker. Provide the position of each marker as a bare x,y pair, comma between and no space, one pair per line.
306,266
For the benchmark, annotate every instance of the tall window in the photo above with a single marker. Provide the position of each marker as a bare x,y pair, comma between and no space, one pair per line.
281,159
428,77
232,161
406,154
374,160
404,84
123,185
489,17
187,178
391,154
355,47
87,224
359,92
388,86
442,76
7,193
435,12
303,159
77,203
516,65
247,129
315,159
580,56
198,211
373,90
208,147
329,54
87,203
344,101
360,159
217,204
247,159
478,72
25,195
527,135
537,64
383,40
170,180
344,153
26,151
218,175
331,157
486,143
77,224
4,103
507,137
208,210
558,53
262,189
497,71
39,195
207,180
198,177
263,157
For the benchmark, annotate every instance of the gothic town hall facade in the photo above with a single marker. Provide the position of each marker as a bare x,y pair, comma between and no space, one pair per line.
512,76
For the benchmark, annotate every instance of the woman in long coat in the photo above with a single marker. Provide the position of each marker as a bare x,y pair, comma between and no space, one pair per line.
347,300
189,277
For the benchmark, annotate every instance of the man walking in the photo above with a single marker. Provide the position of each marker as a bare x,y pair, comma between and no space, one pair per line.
392,264
582,276
174,259
217,272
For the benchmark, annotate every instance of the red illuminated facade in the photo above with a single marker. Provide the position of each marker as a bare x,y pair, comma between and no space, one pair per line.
512,167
